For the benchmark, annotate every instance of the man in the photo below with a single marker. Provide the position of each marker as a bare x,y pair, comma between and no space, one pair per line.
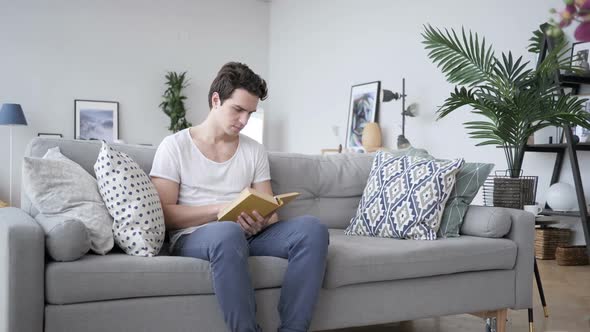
199,170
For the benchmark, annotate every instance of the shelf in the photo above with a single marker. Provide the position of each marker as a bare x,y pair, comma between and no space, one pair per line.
567,79
549,212
555,147
545,147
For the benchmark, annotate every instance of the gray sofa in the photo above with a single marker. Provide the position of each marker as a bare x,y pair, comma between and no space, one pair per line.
368,280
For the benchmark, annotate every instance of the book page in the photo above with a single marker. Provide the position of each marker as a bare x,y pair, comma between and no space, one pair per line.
262,195
286,198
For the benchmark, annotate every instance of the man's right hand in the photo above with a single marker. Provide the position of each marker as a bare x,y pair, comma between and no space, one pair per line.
248,224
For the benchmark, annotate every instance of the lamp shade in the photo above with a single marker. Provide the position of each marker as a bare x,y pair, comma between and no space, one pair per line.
562,197
12,114
389,95
371,138
403,142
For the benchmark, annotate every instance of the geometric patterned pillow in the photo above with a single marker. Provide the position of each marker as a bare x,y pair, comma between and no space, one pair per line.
133,202
469,179
404,197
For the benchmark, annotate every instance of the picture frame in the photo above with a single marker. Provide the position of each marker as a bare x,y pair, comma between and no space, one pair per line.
49,135
580,55
363,108
583,133
96,120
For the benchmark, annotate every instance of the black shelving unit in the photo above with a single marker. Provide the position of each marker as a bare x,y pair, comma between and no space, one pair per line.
570,147
549,212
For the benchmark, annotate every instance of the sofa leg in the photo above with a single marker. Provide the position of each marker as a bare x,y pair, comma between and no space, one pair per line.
540,287
501,317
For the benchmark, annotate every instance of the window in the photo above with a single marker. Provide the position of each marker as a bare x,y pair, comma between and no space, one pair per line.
255,127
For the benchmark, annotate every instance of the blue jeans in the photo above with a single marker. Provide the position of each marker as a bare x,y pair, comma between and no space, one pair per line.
302,240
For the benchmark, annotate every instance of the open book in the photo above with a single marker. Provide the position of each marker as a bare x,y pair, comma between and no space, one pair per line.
250,200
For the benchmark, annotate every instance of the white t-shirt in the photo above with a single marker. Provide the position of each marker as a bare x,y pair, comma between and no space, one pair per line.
204,181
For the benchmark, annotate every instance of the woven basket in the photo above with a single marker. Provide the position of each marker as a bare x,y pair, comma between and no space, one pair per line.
571,255
514,192
548,239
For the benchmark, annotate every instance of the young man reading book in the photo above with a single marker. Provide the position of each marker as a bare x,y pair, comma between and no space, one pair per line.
199,170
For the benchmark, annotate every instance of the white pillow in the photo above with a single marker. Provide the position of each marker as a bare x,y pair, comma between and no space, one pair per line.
132,201
60,188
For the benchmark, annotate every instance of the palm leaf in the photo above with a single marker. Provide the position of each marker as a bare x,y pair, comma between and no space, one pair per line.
463,60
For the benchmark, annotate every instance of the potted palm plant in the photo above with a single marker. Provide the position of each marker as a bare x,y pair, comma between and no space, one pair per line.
515,98
173,104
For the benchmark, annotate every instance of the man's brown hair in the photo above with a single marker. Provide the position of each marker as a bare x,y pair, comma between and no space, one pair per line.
235,75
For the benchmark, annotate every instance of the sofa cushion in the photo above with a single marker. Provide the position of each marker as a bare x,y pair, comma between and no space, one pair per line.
404,197
59,187
330,186
358,259
132,201
84,154
120,276
66,239
485,222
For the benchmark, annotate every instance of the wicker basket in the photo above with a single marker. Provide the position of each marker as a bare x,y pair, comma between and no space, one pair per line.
571,255
504,191
547,239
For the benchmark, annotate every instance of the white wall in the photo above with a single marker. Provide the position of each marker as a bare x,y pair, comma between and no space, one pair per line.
318,49
53,52
311,52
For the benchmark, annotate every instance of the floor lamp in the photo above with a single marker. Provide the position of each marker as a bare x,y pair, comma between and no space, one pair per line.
411,111
12,115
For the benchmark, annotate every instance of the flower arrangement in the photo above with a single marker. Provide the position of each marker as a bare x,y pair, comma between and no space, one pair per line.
575,10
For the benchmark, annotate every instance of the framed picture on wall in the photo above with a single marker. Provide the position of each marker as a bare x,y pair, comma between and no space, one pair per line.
96,120
363,108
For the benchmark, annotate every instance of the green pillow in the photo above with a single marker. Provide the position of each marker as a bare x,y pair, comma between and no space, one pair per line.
468,181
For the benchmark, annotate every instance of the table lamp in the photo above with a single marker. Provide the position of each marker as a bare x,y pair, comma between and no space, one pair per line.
12,115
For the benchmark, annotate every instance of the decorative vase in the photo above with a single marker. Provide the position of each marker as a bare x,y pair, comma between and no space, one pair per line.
371,138
562,197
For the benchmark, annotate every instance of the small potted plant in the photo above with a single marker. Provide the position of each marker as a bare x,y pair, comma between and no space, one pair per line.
173,104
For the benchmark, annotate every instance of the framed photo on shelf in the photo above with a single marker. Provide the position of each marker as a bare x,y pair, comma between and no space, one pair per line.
49,135
579,57
96,120
583,133
363,108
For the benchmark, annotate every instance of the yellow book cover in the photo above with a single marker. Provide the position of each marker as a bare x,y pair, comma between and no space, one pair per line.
250,200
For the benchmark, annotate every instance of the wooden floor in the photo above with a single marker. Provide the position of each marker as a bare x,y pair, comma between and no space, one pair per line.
567,291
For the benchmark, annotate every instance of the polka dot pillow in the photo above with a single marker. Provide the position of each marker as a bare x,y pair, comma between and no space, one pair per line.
132,201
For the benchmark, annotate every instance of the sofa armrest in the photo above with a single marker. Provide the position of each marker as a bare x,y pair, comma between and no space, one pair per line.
22,272
522,232
516,225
